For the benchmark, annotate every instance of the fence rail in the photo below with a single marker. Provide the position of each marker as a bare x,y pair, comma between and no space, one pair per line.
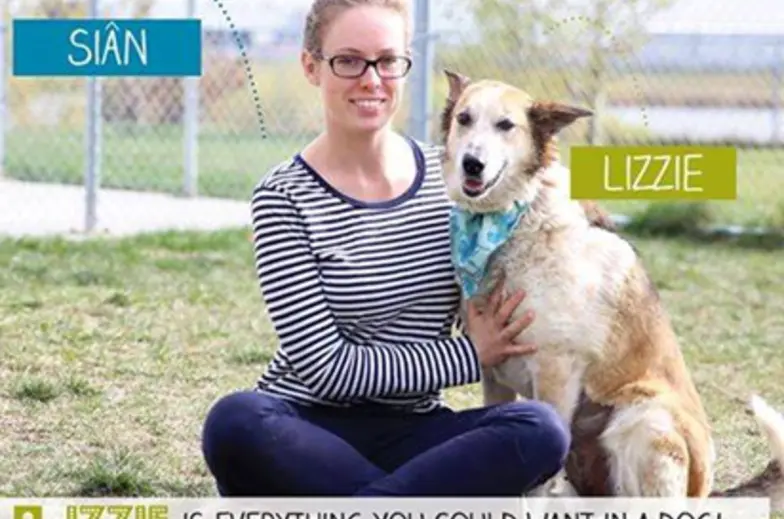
200,136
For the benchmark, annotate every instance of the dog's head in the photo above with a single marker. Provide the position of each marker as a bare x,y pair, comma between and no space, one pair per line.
497,141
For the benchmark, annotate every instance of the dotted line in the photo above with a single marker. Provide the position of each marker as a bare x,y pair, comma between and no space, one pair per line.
254,90
607,32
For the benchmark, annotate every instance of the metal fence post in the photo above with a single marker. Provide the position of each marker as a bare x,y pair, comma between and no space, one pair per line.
3,97
191,130
421,80
93,150
778,83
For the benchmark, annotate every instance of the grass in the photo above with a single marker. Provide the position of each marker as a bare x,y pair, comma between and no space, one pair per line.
712,89
231,162
759,201
230,165
147,159
114,351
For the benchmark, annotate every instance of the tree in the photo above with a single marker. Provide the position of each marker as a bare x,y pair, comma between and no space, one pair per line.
80,8
54,8
553,48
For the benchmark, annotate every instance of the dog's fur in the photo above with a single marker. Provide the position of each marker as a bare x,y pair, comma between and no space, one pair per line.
608,359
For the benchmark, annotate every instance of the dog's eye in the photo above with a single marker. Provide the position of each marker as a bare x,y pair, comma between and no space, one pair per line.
505,125
463,118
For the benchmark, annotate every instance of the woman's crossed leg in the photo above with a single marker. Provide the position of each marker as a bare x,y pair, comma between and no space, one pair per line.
259,445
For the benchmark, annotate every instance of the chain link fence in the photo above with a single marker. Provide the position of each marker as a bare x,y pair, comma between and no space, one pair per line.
207,137
211,136
144,120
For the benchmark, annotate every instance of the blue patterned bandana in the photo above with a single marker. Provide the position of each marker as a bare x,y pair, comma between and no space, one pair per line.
475,237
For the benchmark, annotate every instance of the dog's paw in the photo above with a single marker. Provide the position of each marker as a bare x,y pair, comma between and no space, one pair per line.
558,486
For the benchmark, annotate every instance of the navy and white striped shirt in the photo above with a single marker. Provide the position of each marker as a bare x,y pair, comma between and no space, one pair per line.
362,295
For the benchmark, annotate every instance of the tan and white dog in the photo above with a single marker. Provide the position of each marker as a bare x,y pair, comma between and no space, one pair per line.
608,359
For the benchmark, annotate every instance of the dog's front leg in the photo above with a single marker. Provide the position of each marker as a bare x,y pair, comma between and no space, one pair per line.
493,391
558,380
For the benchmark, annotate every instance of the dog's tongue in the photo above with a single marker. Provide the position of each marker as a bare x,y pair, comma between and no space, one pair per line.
472,184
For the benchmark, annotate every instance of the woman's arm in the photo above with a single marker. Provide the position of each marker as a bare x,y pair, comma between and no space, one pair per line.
333,368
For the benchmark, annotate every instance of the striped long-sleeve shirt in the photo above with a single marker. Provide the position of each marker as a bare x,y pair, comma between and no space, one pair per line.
362,295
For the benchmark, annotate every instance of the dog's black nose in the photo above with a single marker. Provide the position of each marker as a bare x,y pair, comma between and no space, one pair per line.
472,166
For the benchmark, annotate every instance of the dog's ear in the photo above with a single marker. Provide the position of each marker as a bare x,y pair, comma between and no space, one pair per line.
457,83
550,117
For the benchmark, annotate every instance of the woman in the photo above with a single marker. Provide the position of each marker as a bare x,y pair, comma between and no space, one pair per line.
352,253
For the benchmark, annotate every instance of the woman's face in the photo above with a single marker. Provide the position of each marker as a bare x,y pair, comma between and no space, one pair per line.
364,102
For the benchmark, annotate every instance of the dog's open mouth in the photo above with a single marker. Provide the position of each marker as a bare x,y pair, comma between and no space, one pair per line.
473,187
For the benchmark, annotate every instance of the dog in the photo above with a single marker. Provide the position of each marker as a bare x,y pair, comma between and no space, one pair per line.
607,357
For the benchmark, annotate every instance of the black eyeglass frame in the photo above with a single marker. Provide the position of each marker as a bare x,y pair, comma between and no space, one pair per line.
368,63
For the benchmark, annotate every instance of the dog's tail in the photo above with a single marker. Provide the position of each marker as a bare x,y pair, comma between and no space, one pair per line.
769,483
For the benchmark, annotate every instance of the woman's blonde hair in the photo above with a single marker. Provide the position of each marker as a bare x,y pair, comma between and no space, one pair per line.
323,12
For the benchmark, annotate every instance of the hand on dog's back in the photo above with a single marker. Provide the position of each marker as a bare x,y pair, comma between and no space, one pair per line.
491,331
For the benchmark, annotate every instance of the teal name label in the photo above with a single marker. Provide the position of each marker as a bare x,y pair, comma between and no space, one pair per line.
107,47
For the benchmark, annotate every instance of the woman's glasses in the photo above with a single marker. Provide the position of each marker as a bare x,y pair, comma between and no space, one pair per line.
352,67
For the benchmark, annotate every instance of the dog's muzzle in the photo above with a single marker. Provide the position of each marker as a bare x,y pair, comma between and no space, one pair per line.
473,167
472,175
473,178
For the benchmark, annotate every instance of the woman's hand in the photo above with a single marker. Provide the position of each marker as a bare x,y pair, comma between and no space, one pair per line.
490,330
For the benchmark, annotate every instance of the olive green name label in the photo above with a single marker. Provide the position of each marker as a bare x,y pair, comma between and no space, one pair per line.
653,172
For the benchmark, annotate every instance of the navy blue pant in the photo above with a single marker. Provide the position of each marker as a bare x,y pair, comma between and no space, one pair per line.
259,445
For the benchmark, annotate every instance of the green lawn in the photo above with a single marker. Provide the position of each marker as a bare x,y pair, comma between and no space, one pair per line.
113,351
148,159
230,165
760,187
